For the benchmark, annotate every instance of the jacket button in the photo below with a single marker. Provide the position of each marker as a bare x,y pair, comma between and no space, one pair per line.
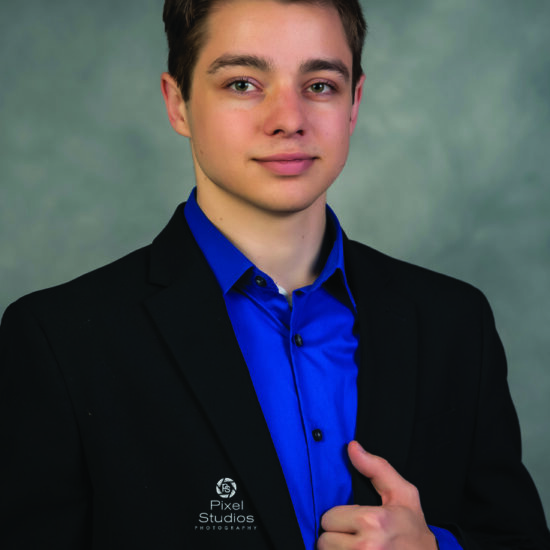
260,281
317,434
298,340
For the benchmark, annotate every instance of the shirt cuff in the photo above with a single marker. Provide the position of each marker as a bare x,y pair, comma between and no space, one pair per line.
445,539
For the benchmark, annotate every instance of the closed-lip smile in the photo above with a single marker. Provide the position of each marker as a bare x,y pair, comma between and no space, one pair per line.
287,164
286,157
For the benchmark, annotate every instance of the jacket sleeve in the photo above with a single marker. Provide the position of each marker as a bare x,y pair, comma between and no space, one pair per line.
45,490
501,508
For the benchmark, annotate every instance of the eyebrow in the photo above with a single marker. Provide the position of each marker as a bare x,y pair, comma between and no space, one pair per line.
334,65
265,65
241,61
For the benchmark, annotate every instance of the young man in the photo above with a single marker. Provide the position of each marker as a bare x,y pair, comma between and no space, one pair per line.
201,392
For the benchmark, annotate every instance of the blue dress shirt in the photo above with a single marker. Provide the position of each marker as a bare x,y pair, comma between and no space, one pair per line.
302,360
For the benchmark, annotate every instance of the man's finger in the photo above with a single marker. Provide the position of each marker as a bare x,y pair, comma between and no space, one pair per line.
353,518
393,489
330,541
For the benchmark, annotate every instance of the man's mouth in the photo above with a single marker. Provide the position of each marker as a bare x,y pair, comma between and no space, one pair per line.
287,164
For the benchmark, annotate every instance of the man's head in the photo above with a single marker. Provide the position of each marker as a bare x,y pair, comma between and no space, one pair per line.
271,107
185,23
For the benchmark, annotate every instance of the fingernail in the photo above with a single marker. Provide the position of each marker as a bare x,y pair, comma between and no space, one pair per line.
360,447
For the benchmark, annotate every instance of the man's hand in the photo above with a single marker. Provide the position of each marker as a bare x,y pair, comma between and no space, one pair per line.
396,525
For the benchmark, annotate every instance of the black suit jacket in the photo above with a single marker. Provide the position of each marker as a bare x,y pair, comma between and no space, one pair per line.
125,400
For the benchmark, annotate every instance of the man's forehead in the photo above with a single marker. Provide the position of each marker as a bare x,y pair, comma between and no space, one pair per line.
253,29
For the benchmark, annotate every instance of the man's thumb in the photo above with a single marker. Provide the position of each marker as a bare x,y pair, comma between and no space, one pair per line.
392,488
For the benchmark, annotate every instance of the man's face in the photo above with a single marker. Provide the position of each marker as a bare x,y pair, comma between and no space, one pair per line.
270,113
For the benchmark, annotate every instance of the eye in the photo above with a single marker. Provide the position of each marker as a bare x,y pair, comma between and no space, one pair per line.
321,88
242,86
318,87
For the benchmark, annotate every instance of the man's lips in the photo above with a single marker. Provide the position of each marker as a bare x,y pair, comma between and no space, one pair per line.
287,164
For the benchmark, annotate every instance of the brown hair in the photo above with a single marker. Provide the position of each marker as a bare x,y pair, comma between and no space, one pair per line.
185,26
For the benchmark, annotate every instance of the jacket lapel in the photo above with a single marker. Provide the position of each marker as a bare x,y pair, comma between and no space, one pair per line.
190,314
388,358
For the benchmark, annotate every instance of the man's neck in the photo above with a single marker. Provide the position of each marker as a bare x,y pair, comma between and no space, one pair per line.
286,246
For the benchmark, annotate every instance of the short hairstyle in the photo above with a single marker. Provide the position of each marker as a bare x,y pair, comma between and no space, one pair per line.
185,26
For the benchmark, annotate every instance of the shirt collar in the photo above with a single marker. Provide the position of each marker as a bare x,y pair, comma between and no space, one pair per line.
229,264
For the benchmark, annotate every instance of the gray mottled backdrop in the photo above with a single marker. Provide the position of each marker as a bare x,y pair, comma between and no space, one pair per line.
449,167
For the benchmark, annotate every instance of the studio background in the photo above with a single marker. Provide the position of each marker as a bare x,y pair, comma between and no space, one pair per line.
449,166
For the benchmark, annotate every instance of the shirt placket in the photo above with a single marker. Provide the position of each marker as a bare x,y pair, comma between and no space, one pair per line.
312,433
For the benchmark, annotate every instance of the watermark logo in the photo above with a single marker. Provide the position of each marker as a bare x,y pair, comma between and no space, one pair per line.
226,487
225,514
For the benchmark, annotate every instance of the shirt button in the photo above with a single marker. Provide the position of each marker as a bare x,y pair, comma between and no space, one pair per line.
298,340
260,281
317,435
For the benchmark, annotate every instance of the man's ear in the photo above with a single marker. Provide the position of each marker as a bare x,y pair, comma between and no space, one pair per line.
356,102
175,105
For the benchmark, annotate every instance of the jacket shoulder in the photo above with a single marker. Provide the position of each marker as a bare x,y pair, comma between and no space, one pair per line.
123,282
119,281
420,284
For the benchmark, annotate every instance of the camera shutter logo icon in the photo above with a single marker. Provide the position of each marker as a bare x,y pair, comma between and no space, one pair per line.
226,487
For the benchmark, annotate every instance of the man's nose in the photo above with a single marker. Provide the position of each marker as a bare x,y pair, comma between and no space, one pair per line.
285,113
